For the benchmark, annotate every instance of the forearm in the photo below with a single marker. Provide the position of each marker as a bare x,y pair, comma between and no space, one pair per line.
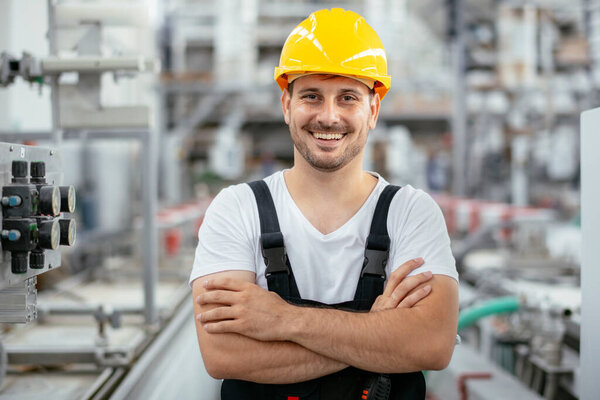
394,340
232,356
376,342
398,340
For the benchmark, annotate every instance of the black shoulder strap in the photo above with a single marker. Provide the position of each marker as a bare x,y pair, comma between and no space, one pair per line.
377,250
279,274
280,278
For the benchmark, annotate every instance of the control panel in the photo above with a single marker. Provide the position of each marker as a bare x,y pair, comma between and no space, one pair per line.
33,224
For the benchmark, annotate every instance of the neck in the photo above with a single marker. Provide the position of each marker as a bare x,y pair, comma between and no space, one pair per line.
347,184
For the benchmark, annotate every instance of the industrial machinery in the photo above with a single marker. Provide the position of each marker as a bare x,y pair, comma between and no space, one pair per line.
520,302
32,229
105,326
33,225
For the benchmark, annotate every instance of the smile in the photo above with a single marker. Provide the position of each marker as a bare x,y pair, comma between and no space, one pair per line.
328,136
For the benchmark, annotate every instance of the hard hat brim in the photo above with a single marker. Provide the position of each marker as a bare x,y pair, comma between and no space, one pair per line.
382,82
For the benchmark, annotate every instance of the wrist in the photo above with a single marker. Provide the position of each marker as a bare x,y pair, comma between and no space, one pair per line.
292,324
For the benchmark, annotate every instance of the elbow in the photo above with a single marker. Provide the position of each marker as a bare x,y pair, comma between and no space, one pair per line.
438,363
439,357
216,366
213,367
215,372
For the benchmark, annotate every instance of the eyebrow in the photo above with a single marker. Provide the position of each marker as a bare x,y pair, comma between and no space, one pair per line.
342,91
308,90
352,91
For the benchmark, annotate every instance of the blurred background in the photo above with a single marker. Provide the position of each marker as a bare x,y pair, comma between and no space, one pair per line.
146,109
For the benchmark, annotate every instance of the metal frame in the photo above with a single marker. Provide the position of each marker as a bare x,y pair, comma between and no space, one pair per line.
590,256
459,113
109,356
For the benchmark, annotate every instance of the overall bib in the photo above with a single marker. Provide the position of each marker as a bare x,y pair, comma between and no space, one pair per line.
350,383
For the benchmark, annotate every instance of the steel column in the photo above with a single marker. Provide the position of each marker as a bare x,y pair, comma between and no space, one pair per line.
590,256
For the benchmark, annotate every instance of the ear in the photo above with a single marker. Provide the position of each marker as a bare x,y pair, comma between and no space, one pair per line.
285,105
375,104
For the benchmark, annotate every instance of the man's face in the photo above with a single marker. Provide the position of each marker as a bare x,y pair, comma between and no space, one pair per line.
329,118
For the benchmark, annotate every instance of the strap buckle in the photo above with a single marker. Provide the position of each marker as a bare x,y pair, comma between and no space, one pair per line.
375,262
274,254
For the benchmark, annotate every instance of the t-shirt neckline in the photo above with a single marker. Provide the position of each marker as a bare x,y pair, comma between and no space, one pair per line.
346,224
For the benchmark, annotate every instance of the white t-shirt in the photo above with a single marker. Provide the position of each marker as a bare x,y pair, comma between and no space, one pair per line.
326,267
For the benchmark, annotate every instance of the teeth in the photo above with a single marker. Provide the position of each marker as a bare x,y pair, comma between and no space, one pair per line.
327,136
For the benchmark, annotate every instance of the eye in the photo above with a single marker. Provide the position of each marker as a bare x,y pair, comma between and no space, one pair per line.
310,96
348,97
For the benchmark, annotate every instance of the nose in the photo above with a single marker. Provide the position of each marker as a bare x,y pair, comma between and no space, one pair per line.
329,115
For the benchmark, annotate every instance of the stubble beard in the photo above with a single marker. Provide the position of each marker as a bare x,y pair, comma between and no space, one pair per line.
325,164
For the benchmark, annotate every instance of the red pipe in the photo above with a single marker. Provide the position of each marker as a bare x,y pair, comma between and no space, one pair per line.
461,381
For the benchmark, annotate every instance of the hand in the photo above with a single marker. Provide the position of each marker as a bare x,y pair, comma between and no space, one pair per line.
243,308
399,291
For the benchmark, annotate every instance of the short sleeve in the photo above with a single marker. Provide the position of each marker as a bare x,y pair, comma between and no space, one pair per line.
417,229
225,238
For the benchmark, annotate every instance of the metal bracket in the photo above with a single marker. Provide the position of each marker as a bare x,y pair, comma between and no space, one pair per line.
18,302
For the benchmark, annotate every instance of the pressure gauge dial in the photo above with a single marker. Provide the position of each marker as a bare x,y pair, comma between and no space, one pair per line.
49,234
50,200
68,231
67,199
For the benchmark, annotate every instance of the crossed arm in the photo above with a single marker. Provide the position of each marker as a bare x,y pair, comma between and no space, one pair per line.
232,355
246,332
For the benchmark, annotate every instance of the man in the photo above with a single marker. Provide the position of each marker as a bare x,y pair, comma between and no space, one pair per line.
333,75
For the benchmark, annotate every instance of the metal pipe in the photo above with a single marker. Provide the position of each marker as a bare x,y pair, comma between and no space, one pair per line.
459,112
150,231
499,305
54,94
68,309
91,64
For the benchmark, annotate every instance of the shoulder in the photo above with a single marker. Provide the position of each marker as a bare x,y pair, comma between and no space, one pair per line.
232,203
410,197
412,205
275,181
232,195
239,198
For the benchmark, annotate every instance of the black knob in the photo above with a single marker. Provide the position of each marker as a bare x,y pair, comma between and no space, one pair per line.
20,169
38,169
18,263
49,237
36,260
67,198
50,200
68,231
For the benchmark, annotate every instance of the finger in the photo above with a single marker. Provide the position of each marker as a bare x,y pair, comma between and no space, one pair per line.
216,314
225,283
415,297
400,273
380,304
217,297
409,284
388,305
227,326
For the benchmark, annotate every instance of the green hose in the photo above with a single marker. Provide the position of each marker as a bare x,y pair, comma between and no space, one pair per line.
500,305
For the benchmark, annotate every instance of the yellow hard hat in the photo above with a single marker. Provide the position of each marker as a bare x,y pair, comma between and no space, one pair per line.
337,42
